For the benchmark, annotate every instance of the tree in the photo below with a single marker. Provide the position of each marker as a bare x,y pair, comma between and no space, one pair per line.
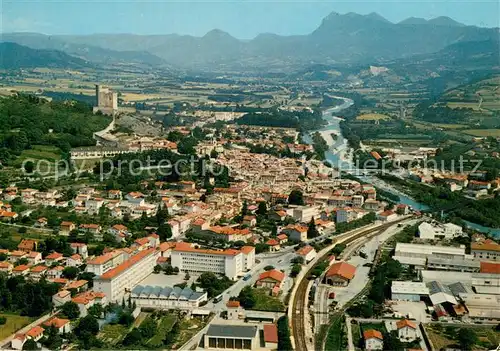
467,338
3,256
312,232
30,344
392,342
70,272
70,310
187,276
87,324
296,198
296,268
96,310
284,342
262,209
89,277
132,338
268,268
164,231
297,260
157,269
246,297
148,328
244,209
52,340
126,318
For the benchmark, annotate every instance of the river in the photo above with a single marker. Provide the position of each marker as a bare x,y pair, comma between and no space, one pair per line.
339,156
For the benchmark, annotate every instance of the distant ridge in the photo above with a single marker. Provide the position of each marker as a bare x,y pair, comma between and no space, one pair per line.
349,38
15,56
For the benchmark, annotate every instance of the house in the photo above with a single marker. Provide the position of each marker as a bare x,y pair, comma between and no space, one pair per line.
271,336
140,244
55,272
94,229
387,216
61,298
135,199
282,238
114,194
35,333
277,215
16,255
87,299
54,257
402,209
77,286
66,227
296,232
38,272
41,222
74,260
407,330
273,244
307,253
234,310
118,229
80,248
34,258
28,245
340,274
62,325
487,250
22,269
6,267
373,339
250,221
271,279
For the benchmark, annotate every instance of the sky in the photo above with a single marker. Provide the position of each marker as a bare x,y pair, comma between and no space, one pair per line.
242,19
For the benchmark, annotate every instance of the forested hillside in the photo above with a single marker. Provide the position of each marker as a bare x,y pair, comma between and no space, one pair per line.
26,121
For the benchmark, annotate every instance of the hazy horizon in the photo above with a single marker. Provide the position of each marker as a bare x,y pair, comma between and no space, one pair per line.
241,19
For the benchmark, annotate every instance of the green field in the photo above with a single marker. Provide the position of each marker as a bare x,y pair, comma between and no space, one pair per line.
372,117
13,324
164,325
336,338
113,333
443,337
266,302
483,132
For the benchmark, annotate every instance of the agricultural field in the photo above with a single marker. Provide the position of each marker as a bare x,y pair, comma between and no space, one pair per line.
372,117
483,132
112,334
14,322
266,302
443,337
189,327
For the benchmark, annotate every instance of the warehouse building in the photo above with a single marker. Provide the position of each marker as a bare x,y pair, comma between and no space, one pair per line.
482,307
230,336
166,297
408,291
417,254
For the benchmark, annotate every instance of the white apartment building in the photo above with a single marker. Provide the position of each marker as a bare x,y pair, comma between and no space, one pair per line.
305,213
431,231
117,281
101,264
248,257
188,259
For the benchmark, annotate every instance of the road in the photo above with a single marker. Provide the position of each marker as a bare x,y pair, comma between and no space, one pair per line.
298,300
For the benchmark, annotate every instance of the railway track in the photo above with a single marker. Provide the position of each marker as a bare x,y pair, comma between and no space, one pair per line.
299,307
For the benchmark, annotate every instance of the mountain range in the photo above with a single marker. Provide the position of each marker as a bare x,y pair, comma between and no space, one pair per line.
340,38
15,56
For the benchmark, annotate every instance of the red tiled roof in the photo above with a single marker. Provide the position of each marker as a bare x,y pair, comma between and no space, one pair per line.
186,247
233,304
372,333
21,268
127,264
35,331
247,249
56,322
342,269
490,267
406,323
272,242
273,274
305,250
270,333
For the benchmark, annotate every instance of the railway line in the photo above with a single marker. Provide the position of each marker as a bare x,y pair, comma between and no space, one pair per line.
299,307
